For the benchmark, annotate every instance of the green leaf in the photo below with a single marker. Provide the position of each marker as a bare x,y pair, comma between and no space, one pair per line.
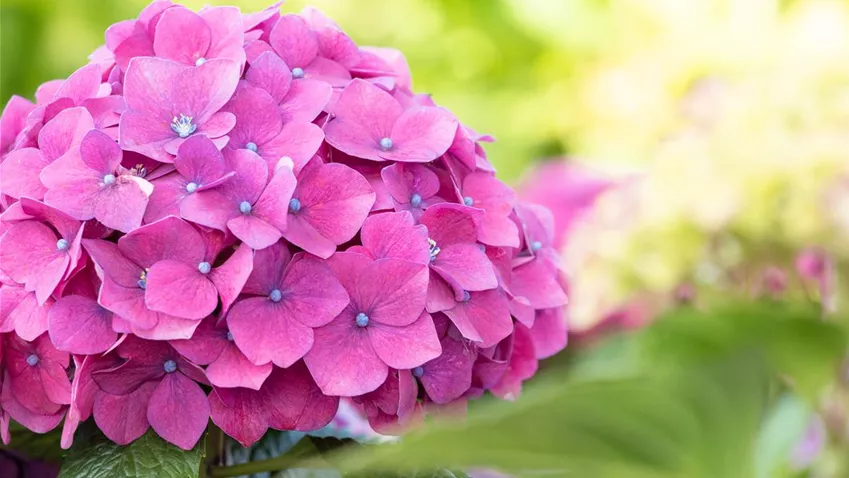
147,457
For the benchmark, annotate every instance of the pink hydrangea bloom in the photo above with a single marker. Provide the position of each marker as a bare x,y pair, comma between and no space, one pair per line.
245,217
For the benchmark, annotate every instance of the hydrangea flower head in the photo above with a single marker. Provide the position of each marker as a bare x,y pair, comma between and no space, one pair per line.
247,217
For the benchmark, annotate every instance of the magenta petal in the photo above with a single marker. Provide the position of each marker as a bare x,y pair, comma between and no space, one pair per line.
81,85
447,377
467,266
123,418
269,72
83,392
199,161
537,282
122,205
128,303
20,312
449,224
405,179
126,378
12,121
273,205
421,135
230,278
64,131
19,173
498,230
169,238
294,401
343,361
239,413
406,347
181,35
257,116
168,192
297,140
180,289
232,369
205,345
80,325
178,410
365,114
305,101
440,294
267,331
292,39
393,291
395,235
37,423
484,318
522,366
549,332
253,231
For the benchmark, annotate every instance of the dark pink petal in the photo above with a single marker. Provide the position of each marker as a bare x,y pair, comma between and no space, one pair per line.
467,266
123,418
122,205
522,366
405,347
232,369
178,410
268,267
240,413
38,423
200,162
484,318
392,291
342,360
421,135
169,238
449,224
126,378
29,254
292,39
230,278
294,401
205,345
145,134
395,235
498,230
179,289
403,180
537,282
334,201
365,114
83,392
168,192
80,325
168,327
313,295
182,36
273,205
127,303
63,132
549,332
449,376
440,294
144,84
20,312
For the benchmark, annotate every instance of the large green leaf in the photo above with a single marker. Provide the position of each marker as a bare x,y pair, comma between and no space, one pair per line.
147,457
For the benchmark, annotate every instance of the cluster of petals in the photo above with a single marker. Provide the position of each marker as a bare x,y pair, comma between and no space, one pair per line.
248,218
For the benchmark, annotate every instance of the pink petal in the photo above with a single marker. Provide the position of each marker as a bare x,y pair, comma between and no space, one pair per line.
549,332
305,101
406,347
498,231
28,253
365,114
167,327
182,36
292,39
228,35
405,179
200,162
122,205
268,332
268,267
20,312
239,413
253,231
537,282
467,266
449,224
342,360
169,238
116,267
395,235
83,392
12,121
178,410
297,140
421,135
145,134
19,173
294,401
232,369
168,192
269,72
230,277
273,205
484,318
449,376
123,418
257,116
392,290
522,366
34,422
79,325
81,85
179,289
205,345
63,132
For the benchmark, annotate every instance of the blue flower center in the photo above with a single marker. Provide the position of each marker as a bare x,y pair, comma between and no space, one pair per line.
204,267
62,244
275,295
200,61
294,205
142,283
416,200
251,147
536,245
170,366
386,144
183,126
109,179
468,201
433,250
418,372
229,336
297,73
32,360
362,319
245,207
466,296
191,187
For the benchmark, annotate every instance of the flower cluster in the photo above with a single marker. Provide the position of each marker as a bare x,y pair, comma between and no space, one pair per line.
247,217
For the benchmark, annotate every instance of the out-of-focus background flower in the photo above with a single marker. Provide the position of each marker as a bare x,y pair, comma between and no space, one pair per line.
713,133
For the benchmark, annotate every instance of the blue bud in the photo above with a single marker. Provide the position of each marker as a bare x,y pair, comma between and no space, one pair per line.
32,360
386,144
251,147
204,267
362,320
468,201
294,205
109,179
245,207
191,187
62,244
275,295
415,200
170,366
418,372
297,73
